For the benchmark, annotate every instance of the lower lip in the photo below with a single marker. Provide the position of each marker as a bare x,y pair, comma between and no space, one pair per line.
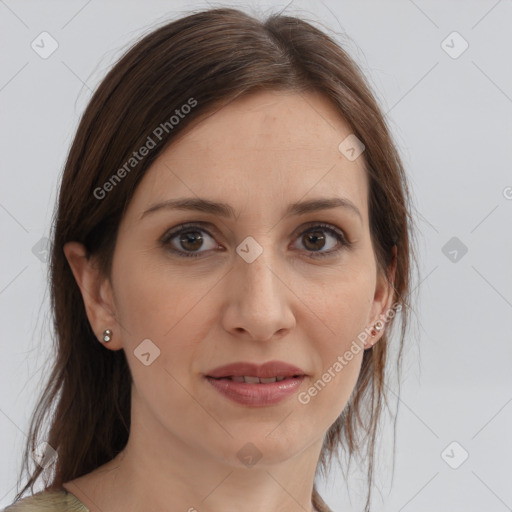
256,395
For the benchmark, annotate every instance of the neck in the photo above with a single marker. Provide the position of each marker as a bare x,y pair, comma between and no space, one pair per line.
193,482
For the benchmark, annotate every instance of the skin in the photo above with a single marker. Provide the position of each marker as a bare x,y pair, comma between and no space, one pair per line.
258,154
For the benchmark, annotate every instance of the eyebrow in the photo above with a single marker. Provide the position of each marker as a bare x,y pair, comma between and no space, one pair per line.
226,210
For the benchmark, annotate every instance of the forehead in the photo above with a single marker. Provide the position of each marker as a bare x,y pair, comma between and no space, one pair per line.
266,148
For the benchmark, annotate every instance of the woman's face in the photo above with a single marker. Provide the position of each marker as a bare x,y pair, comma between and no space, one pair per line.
260,284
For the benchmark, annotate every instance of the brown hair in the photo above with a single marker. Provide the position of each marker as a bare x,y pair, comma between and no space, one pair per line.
211,56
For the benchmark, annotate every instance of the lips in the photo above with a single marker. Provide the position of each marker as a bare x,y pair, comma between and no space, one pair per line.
255,385
251,373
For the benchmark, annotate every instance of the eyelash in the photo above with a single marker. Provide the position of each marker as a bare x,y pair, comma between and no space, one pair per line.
184,228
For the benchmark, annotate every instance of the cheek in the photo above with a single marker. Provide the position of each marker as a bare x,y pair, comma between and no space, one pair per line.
340,357
341,308
155,304
342,305
152,297
159,304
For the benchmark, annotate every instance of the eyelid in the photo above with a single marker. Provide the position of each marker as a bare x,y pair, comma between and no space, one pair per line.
326,225
188,226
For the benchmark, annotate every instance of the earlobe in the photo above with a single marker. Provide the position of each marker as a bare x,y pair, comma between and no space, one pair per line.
95,290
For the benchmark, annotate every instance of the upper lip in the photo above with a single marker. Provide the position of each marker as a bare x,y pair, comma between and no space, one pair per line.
263,371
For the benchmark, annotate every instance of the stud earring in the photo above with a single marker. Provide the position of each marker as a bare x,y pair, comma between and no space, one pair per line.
107,335
377,327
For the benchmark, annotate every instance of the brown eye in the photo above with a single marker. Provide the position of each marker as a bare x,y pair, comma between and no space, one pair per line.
187,241
314,241
191,240
317,238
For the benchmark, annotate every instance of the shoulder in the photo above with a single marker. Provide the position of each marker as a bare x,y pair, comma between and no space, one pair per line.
48,501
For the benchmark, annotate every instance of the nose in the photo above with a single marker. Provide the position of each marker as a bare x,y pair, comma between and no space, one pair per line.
260,301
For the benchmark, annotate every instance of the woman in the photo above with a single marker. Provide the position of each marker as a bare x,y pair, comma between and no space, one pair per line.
231,246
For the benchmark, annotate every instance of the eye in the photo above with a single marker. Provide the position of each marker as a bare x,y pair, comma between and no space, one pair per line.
187,239
315,239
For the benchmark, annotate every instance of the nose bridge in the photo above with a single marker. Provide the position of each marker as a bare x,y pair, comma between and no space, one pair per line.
255,268
260,300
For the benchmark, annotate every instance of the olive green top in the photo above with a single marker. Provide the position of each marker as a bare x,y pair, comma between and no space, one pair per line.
64,501
49,501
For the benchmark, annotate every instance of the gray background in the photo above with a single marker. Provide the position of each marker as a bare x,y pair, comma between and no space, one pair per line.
451,118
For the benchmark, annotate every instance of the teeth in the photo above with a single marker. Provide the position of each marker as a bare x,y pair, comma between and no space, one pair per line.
256,380
251,380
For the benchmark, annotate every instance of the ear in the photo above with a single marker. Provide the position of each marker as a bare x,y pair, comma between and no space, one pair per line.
382,301
96,293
